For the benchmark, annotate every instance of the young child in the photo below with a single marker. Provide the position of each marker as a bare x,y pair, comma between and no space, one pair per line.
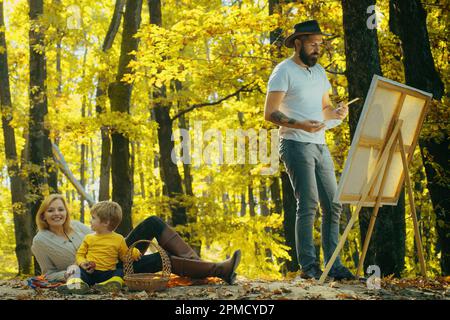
99,252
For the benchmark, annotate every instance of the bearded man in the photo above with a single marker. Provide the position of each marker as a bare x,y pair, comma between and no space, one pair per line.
298,101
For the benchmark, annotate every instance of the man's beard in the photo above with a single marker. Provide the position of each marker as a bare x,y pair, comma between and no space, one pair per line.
309,60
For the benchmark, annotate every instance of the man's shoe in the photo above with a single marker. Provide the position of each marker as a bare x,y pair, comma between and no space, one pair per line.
313,272
74,286
341,273
113,284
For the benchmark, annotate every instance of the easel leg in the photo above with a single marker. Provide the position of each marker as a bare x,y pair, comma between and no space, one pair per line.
373,218
417,235
382,160
412,208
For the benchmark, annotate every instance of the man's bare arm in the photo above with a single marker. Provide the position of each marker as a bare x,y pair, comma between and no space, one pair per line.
274,115
271,112
281,119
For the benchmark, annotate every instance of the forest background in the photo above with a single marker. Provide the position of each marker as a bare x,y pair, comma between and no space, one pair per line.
110,83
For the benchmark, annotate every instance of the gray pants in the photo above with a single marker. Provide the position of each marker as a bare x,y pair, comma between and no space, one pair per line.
311,171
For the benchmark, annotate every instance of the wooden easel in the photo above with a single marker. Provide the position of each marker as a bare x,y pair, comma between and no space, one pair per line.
384,161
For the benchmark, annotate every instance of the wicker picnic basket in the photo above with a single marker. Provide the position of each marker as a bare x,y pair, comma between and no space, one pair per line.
147,281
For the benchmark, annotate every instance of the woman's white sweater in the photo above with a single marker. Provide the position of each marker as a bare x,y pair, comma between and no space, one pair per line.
54,253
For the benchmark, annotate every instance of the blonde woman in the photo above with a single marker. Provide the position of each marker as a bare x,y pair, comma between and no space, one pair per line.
59,237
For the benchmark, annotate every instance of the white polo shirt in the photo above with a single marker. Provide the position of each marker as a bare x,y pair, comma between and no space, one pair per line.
304,89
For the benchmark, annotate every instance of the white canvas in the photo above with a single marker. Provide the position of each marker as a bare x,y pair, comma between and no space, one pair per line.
386,102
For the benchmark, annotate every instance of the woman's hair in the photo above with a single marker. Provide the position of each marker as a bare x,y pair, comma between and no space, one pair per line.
43,225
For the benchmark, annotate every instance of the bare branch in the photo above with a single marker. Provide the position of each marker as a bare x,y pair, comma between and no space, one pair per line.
206,104
335,72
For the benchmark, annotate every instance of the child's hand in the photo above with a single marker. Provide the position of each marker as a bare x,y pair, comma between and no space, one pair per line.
137,257
89,266
136,254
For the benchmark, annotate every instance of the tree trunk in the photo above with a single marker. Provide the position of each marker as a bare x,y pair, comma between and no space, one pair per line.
120,95
275,195
276,36
264,209
91,152
105,160
132,166
58,71
105,165
352,252
290,209
361,50
58,53
83,146
243,205
40,149
187,182
388,249
408,21
317,240
82,179
251,201
141,169
21,217
183,124
170,173
226,203
289,202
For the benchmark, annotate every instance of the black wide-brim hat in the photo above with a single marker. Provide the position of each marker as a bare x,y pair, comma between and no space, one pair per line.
307,27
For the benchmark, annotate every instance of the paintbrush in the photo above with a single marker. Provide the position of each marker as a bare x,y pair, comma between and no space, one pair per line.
349,103
354,100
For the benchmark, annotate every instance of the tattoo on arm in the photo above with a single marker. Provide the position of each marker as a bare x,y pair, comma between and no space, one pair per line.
280,118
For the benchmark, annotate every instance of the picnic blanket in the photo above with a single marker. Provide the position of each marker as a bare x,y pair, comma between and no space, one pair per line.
178,281
43,282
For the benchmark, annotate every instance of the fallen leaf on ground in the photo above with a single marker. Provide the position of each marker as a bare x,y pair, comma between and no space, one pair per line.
285,290
277,291
346,296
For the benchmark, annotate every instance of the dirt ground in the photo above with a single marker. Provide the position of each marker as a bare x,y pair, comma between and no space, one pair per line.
244,289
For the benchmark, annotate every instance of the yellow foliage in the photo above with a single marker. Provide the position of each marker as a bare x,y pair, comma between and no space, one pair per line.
204,51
